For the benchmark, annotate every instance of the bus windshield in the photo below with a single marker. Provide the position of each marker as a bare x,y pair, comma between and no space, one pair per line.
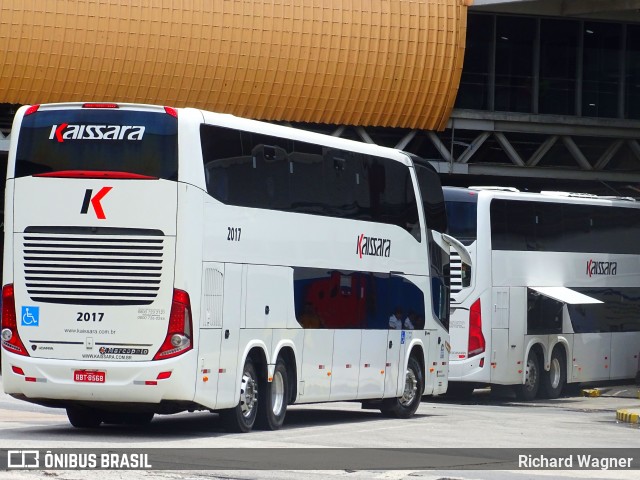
98,140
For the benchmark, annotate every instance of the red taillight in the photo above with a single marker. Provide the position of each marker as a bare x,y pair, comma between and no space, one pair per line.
178,339
171,111
10,338
100,105
31,109
476,338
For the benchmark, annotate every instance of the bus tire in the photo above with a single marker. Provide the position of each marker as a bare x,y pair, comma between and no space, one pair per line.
272,407
127,418
460,390
406,405
529,390
553,381
241,418
83,417
142,418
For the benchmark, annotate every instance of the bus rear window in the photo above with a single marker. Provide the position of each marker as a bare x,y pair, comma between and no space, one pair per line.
462,221
142,143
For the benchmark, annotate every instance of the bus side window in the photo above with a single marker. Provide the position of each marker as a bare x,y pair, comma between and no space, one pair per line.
261,171
544,314
270,171
548,227
513,225
432,199
522,223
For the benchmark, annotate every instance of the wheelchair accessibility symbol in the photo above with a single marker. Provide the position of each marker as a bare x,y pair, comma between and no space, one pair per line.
30,316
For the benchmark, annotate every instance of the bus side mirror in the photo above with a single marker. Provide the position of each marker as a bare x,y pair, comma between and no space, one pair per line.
458,247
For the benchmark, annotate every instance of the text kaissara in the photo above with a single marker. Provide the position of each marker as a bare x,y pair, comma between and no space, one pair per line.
373,246
601,268
65,131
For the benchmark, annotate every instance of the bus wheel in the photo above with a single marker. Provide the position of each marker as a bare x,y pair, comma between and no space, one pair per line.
406,405
137,418
460,391
273,405
82,417
529,389
242,417
553,381
127,418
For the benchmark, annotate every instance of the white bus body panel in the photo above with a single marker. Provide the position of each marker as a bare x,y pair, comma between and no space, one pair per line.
74,335
269,297
395,357
625,356
590,356
346,364
317,362
54,379
212,312
372,362
67,331
438,351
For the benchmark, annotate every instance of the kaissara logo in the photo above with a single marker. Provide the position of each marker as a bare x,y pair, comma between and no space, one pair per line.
94,200
601,268
64,131
373,246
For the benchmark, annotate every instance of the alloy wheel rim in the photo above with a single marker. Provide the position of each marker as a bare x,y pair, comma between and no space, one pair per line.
277,393
410,388
532,375
554,372
248,394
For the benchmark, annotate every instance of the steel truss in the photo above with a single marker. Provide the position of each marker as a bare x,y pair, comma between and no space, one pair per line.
612,153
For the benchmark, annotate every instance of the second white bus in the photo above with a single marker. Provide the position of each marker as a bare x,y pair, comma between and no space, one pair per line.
159,260
553,293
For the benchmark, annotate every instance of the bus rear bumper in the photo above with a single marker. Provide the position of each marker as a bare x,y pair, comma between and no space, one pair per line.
52,381
469,370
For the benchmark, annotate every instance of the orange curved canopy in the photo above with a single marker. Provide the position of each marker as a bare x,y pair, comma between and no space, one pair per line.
392,63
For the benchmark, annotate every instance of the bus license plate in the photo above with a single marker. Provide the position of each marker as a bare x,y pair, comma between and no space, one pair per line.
85,376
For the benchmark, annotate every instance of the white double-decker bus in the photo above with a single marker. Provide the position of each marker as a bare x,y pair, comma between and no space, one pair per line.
158,260
553,293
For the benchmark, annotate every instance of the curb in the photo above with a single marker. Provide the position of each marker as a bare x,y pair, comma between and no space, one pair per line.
590,392
632,392
628,416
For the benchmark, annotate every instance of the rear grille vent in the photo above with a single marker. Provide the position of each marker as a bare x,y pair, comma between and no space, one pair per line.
456,272
103,266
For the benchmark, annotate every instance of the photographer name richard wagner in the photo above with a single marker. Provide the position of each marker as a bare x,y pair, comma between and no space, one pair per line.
574,461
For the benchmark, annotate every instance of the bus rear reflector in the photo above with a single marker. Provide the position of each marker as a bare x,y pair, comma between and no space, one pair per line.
178,339
476,344
31,109
171,111
10,337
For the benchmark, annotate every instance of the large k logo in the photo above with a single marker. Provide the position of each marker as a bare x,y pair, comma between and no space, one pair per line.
95,202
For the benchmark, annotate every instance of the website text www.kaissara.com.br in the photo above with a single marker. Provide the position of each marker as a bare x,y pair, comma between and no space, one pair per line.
94,331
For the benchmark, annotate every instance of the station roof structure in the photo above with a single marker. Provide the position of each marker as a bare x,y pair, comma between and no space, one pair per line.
388,63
